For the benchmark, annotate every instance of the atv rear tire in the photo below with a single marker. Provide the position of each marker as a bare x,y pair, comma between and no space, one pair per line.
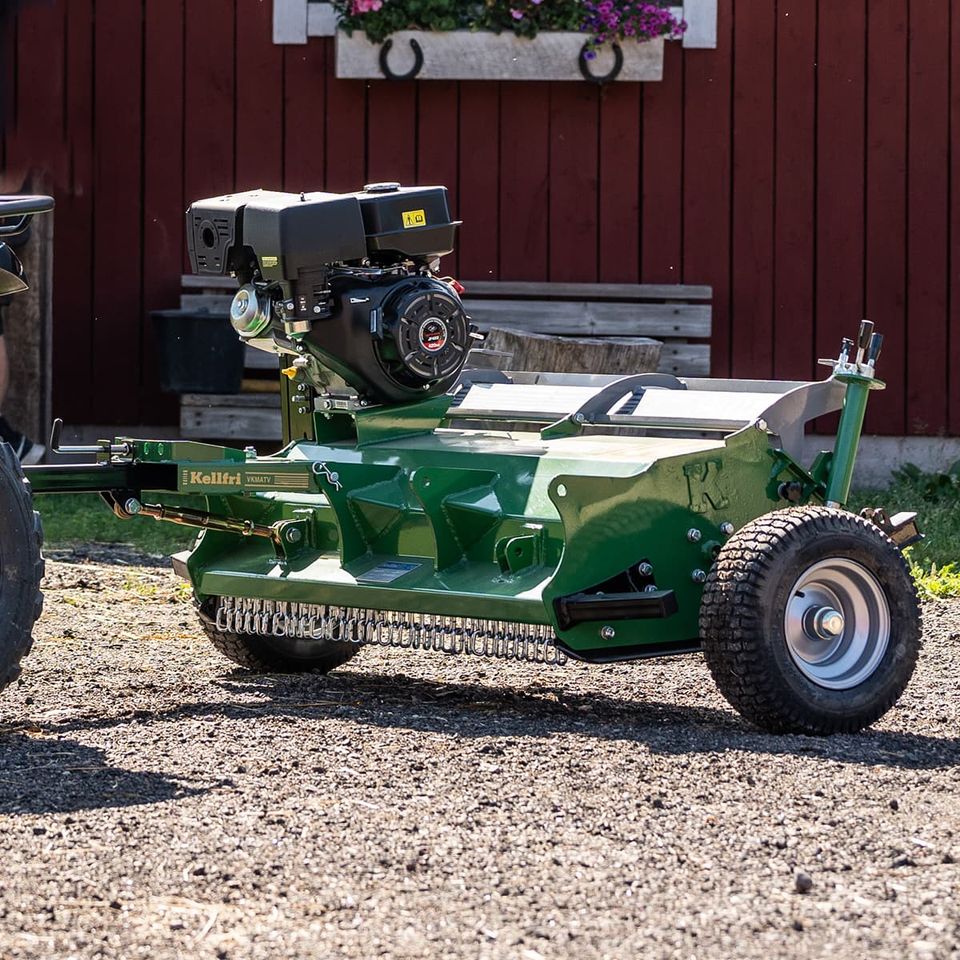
21,565
810,622
277,654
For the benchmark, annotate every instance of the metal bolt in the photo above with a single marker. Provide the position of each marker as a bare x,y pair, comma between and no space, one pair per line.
698,576
694,535
251,453
727,528
132,506
301,409
645,569
762,425
301,387
579,418
293,535
318,309
607,633
650,588
334,477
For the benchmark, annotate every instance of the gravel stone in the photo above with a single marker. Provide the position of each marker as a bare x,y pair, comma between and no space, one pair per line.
157,803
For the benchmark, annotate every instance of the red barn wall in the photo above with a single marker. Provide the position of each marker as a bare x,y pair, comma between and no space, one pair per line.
805,169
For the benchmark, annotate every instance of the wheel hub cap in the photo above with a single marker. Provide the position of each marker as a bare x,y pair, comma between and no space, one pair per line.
837,623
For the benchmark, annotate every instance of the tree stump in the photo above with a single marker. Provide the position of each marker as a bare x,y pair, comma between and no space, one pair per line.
548,354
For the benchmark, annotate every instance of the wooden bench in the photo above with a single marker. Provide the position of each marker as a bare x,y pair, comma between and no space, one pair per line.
678,315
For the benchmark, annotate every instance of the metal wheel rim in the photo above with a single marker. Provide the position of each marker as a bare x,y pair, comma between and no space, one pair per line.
847,659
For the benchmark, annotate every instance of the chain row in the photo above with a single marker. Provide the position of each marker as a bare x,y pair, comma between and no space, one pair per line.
499,639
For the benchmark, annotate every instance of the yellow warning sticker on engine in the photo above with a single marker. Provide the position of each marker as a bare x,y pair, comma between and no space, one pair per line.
267,262
414,218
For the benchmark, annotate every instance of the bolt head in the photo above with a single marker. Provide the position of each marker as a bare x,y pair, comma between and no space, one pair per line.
650,588
293,535
132,506
694,535
579,418
645,569
698,576
607,633
727,528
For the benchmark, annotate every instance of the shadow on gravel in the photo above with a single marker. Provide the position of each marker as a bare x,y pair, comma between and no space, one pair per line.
476,710
63,776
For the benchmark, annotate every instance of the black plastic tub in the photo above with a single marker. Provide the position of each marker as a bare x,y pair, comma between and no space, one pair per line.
198,352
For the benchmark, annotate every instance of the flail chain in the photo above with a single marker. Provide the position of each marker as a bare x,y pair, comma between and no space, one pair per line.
499,639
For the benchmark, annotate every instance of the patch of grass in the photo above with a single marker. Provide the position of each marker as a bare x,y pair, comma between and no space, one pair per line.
70,518
935,561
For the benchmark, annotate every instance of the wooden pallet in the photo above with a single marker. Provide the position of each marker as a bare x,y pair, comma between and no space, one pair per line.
250,416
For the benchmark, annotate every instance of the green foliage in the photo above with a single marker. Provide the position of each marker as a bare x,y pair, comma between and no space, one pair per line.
378,22
71,518
620,19
935,561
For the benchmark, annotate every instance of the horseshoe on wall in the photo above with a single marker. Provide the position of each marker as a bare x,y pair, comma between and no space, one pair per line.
605,78
417,61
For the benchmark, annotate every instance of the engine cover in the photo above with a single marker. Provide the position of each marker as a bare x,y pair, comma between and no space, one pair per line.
393,339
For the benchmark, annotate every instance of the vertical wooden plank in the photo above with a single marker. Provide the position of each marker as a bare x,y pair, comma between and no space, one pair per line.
754,81
259,132
438,162
953,319
37,143
163,200
619,205
305,139
392,131
525,176
795,158
706,187
117,238
208,168
479,180
574,181
72,361
886,216
661,245
927,217
841,66
346,126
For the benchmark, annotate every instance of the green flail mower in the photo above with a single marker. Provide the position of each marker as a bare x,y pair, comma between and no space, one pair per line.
423,504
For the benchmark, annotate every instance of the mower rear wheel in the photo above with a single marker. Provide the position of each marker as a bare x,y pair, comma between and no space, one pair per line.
21,565
279,654
810,622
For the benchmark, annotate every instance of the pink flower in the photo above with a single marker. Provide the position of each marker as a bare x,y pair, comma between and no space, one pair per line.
366,6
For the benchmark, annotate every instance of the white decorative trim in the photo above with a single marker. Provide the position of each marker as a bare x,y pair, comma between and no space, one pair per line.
296,20
289,21
321,20
480,55
701,17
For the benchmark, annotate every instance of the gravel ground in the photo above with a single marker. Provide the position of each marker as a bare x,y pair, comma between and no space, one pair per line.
155,803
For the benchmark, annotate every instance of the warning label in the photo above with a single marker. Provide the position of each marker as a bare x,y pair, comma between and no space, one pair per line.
387,572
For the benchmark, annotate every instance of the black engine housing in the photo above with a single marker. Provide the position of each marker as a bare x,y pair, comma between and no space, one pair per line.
392,338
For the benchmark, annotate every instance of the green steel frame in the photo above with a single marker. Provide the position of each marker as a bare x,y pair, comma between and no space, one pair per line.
395,509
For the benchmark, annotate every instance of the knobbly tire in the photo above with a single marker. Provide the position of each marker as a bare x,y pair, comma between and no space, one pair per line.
810,622
21,565
277,654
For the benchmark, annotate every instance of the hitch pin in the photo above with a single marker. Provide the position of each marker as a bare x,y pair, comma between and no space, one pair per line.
103,446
